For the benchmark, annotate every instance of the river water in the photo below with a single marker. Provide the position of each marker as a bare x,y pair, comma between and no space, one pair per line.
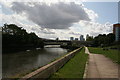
17,64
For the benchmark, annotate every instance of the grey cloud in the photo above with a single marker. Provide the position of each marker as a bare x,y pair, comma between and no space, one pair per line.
73,33
54,16
47,32
40,30
94,33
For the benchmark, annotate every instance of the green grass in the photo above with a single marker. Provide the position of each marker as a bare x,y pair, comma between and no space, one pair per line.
74,68
112,54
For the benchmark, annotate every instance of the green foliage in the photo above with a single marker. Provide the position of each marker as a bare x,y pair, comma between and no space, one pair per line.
70,45
112,54
73,68
89,38
104,40
15,38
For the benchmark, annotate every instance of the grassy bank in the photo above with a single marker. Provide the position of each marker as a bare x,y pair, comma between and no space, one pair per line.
73,68
112,54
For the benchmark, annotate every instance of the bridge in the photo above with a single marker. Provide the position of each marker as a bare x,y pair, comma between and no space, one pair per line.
52,46
55,42
66,42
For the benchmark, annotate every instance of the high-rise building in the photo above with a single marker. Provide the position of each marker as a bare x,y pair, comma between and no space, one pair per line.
87,36
82,38
116,31
76,39
71,38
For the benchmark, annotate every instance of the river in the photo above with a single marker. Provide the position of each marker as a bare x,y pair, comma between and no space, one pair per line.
17,64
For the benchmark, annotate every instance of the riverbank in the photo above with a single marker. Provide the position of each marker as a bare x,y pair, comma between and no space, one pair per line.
73,68
47,70
25,62
110,53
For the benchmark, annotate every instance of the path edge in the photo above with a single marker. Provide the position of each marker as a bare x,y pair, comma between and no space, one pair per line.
86,68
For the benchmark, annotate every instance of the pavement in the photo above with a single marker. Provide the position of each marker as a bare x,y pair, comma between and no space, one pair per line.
100,66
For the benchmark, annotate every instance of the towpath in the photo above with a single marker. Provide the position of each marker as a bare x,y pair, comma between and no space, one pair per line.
100,66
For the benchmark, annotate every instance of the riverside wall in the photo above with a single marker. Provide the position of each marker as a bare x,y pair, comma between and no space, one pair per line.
47,70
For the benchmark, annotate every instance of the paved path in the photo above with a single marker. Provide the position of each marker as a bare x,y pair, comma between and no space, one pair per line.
100,67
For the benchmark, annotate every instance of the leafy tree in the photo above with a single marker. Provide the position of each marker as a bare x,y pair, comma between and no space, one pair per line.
104,40
16,38
89,38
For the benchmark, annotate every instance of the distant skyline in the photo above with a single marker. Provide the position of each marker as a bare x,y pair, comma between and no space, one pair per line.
63,19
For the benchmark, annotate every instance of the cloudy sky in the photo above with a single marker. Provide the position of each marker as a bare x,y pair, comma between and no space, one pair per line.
61,18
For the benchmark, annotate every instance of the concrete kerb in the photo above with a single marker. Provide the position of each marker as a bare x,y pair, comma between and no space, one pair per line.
86,66
86,69
47,70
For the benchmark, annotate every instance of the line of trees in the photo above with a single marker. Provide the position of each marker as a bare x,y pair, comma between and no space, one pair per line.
102,39
15,38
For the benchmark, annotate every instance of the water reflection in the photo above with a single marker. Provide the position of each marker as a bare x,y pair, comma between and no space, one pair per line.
22,62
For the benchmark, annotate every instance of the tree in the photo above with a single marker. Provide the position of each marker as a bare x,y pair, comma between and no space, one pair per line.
90,38
57,39
103,39
16,38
